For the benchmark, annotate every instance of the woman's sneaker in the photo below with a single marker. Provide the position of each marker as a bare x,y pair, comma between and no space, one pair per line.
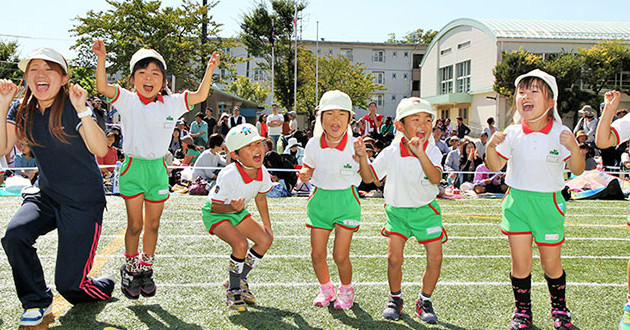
345,298
393,309
522,319
625,321
561,319
424,310
34,316
147,284
234,300
324,296
130,283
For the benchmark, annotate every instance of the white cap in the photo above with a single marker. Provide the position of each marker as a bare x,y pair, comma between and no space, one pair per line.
292,143
413,105
551,82
47,54
143,53
335,100
241,135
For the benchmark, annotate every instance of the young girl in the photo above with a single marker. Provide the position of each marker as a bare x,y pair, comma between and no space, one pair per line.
148,119
64,137
535,150
608,135
328,159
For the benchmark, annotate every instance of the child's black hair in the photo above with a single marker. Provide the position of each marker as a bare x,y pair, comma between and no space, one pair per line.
144,63
216,140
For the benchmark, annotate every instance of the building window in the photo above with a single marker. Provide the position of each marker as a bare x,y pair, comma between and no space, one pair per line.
259,75
446,80
394,98
463,45
445,51
445,113
393,54
393,75
463,112
379,77
347,52
405,76
223,73
378,56
463,76
406,54
379,99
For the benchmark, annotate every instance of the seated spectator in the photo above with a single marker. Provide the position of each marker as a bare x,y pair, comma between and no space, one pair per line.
452,162
621,112
490,129
388,126
176,143
295,149
190,150
487,181
437,136
481,144
589,153
210,158
379,145
274,160
224,124
110,158
370,151
468,162
26,159
267,144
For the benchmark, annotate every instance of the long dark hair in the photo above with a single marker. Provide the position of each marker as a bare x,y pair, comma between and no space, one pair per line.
24,117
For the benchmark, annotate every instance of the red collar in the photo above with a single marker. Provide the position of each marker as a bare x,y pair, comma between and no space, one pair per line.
146,101
404,152
246,177
340,146
544,130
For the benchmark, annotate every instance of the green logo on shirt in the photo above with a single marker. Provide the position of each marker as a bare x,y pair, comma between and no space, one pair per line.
169,118
554,152
347,166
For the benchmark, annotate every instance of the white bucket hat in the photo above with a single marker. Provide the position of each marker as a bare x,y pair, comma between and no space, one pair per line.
332,100
551,82
292,143
143,53
47,54
410,106
241,135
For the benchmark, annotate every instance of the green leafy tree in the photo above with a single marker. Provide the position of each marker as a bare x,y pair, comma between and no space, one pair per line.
249,90
85,77
172,31
512,65
602,63
414,37
8,61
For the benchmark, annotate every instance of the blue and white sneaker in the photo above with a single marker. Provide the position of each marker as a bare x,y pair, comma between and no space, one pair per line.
34,316
625,321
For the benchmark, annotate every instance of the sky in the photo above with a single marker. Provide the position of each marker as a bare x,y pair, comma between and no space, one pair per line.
46,23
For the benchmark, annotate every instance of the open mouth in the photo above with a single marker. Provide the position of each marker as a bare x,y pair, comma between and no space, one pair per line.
257,158
147,88
420,134
42,87
528,107
335,128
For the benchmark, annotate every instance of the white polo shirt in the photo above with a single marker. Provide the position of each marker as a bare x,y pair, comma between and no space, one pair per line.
334,167
407,185
233,183
274,130
621,129
535,160
147,126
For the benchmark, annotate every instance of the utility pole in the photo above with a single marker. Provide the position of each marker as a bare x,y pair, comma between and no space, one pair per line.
204,39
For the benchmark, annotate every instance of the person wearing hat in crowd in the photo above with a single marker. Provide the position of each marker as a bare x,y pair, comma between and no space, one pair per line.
590,126
199,130
181,125
236,118
334,205
294,148
451,164
64,137
274,125
224,125
462,129
190,150
536,149
225,212
581,137
412,166
148,115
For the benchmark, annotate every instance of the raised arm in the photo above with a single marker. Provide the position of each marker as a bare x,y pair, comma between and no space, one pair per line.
201,94
8,135
102,85
92,135
603,136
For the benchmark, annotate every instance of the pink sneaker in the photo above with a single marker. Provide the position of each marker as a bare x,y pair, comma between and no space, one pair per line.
345,297
325,295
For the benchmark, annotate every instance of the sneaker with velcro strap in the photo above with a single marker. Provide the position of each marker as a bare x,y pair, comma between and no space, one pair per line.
393,309
34,316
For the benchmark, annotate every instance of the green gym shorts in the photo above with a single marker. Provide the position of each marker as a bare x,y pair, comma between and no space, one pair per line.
424,223
327,208
148,177
211,220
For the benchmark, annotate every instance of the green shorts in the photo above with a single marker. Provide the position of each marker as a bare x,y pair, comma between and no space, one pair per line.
148,177
424,223
211,220
534,213
327,208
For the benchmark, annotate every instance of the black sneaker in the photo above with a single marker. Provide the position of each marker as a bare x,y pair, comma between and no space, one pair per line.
424,310
147,285
130,283
521,319
393,309
561,319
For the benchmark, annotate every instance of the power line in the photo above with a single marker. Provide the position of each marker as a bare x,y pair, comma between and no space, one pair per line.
38,38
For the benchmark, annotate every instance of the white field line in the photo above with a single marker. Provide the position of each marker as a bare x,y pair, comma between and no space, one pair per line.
360,284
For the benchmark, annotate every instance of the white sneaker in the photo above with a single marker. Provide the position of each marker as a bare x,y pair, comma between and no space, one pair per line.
34,316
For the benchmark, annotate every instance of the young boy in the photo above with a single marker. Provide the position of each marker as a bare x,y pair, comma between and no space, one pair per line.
412,166
225,213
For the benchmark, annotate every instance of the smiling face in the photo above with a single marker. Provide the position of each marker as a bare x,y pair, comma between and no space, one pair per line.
251,155
335,123
533,98
148,81
416,125
45,79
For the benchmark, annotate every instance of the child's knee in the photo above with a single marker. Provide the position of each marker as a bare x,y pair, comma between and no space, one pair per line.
319,255
240,246
434,259
152,226
395,261
266,241
341,257
134,228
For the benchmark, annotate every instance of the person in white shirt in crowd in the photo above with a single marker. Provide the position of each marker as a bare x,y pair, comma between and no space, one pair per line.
490,129
295,149
274,125
236,118
437,136
481,144
210,158
452,161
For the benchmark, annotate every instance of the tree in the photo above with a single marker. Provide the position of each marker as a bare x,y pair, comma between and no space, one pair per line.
174,32
85,77
512,65
8,61
602,63
258,26
249,90
414,37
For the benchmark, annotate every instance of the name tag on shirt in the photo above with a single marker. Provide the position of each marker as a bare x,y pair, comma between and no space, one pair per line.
346,171
167,124
553,159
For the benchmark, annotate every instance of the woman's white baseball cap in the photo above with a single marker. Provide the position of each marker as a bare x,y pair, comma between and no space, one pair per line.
240,136
143,53
47,54
412,105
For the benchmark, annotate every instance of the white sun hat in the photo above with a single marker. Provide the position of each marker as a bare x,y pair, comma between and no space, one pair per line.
47,54
332,100
551,82
143,53
241,135
411,106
